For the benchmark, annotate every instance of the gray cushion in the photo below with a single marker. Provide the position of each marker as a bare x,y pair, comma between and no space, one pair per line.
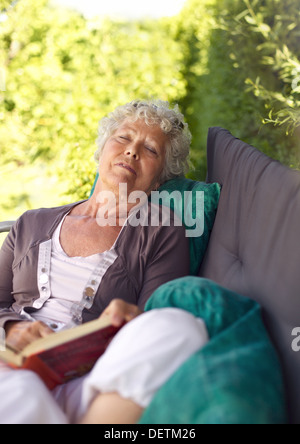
254,248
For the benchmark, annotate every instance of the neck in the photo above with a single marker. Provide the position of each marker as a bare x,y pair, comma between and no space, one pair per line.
105,203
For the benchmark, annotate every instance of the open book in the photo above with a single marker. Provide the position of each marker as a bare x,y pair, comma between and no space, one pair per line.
66,355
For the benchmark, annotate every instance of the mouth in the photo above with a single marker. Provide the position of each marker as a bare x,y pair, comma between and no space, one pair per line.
127,167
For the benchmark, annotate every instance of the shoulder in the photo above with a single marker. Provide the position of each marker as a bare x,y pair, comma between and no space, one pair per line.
42,221
46,212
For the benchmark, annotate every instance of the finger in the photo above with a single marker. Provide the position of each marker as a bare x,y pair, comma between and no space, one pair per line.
120,311
117,319
132,312
124,312
45,331
40,330
16,346
24,333
116,312
19,341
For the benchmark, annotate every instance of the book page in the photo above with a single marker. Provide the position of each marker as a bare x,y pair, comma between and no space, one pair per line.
10,357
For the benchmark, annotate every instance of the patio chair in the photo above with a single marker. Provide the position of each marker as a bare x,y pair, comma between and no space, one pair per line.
6,226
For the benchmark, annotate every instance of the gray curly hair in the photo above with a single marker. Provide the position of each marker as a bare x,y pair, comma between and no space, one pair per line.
157,112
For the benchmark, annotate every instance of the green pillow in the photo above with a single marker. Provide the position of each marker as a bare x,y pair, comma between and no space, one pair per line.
95,183
190,208
236,378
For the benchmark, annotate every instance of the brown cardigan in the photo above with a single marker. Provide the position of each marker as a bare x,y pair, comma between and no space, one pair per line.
147,258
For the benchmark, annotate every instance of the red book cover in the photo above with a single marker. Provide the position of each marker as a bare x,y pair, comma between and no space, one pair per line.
70,360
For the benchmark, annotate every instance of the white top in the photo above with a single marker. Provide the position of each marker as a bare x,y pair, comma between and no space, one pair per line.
69,277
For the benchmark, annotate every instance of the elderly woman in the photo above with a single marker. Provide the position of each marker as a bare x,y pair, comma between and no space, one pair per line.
61,267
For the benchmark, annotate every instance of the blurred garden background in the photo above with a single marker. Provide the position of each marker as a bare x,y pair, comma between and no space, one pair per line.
229,63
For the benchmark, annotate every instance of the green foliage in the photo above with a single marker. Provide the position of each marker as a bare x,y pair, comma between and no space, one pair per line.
277,54
230,63
234,82
64,74
5,5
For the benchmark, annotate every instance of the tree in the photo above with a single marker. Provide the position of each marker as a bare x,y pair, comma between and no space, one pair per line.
64,73
277,28
5,5
230,63
239,77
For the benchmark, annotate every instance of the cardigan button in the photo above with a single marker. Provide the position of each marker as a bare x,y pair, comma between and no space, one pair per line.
44,279
89,293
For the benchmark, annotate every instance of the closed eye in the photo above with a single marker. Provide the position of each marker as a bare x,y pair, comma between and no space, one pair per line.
123,139
152,150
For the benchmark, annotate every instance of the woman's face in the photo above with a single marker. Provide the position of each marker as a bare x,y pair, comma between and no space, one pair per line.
135,155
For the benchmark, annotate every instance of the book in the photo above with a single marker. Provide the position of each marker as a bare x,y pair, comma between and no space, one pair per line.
64,356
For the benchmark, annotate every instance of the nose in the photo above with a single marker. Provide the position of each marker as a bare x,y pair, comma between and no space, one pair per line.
132,151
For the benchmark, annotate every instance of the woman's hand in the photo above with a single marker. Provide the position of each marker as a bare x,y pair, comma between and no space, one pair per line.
120,311
21,334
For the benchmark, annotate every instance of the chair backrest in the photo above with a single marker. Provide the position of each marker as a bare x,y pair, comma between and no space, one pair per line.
254,247
5,226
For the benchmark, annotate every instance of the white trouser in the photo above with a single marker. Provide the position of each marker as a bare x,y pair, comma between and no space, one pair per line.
140,359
